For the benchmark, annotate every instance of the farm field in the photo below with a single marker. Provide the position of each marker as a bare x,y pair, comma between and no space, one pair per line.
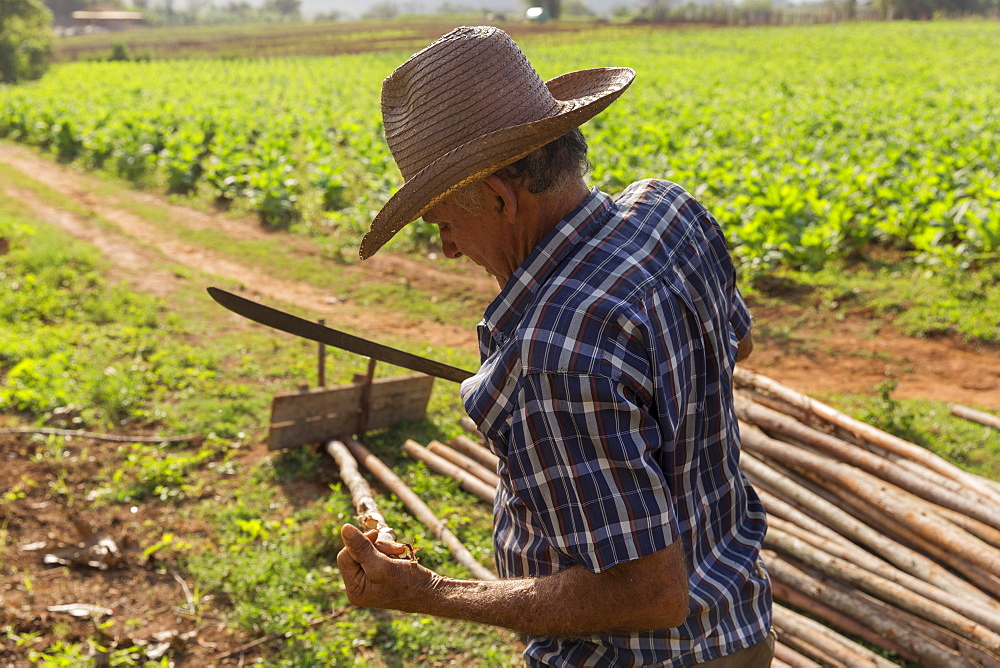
807,143
270,40
854,169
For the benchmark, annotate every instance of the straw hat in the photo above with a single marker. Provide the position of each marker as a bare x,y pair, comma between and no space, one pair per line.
469,104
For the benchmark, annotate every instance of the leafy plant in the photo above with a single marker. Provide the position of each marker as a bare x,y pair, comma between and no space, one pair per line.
800,158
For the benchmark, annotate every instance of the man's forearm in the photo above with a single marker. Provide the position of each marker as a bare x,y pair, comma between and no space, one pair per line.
567,603
513,604
649,592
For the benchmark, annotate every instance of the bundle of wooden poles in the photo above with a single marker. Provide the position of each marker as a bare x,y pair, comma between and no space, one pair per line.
870,537
877,537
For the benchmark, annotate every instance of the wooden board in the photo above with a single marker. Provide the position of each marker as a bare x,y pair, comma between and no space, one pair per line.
320,414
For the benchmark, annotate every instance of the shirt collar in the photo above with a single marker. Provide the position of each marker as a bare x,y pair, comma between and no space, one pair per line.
506,310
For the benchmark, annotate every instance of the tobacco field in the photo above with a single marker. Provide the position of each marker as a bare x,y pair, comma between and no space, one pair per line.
807,143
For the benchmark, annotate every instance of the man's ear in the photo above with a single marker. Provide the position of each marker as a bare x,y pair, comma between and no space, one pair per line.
499,187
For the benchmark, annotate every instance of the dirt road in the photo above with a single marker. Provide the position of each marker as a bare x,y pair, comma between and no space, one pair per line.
820,357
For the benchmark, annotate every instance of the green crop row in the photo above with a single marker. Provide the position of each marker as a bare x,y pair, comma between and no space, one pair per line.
806,143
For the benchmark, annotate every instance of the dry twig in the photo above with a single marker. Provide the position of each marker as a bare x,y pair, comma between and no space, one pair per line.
115,438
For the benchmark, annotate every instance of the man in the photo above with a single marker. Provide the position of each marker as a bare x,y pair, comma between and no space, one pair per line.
625,533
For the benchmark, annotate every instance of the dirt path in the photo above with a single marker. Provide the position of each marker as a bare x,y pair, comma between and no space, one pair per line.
826,356
137,247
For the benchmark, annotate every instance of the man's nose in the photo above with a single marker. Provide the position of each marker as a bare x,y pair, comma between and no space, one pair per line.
448,246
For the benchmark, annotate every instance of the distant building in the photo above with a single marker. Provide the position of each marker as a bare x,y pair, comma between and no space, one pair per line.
108,19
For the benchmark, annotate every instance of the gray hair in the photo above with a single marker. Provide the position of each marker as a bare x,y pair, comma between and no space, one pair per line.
545,170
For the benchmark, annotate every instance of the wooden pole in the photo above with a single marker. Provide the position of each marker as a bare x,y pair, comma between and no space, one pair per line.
968,503
778,508
854,605
438,464
361,494
836,619
830,643
321,361
976,416
113,438
983,612
883,588
906,559
468,447
788,656
743,376
466,463
885,498
366,397
470,426
419,509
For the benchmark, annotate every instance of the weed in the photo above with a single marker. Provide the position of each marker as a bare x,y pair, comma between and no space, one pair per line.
148,471
888,415
167,543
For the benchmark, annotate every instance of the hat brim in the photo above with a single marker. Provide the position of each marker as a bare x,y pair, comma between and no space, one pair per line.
581,95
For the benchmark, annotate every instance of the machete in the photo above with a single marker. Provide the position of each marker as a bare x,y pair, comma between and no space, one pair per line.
287,322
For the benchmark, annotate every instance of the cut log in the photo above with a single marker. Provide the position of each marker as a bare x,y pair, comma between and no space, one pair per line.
419,509
776,507
985,584
931,653
774,403
468,425
94,436
986,613
837,619
975,655
466,463
975,527
882,588
468,447
743,376
973,415
830,643
804,647
790,657
974,581
902,507
771,421
906,559
438,464
977,584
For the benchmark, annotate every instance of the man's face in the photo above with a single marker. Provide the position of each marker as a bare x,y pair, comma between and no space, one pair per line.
483,236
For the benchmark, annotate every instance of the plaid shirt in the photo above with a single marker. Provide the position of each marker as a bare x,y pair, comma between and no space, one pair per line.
606,391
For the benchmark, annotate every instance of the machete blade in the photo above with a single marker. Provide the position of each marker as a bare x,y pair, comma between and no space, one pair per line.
291,324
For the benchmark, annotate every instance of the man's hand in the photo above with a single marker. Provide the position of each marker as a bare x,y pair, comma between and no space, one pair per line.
745,347
376,577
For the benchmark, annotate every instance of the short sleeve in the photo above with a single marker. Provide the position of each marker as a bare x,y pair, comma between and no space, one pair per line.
583,462
739,315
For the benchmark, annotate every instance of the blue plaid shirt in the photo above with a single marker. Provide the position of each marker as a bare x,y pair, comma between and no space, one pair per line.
606,391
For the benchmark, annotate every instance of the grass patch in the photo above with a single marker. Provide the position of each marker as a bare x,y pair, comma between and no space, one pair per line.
930,424
120,361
